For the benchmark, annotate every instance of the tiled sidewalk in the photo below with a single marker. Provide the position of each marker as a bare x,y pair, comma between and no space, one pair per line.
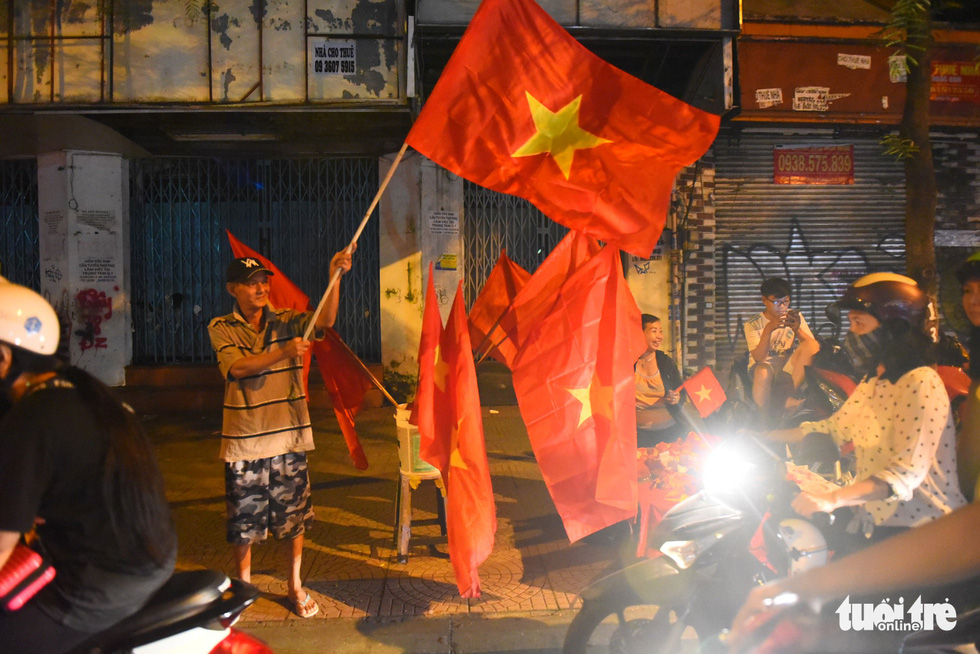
350,564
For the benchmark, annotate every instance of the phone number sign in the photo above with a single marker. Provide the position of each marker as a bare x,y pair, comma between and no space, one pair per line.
333,56
813,165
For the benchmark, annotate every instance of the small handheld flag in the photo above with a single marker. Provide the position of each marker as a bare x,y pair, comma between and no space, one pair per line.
706,393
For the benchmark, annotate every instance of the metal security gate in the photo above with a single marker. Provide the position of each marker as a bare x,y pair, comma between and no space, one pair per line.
820,238
295,212
496,221
19,257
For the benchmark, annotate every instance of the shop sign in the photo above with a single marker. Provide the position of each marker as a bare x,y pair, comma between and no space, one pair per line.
813,165
333,56
955,81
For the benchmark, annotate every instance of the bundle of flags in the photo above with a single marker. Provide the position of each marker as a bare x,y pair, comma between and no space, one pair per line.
522,108
447,406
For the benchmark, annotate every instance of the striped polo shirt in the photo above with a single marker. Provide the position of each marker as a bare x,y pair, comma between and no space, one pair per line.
265,414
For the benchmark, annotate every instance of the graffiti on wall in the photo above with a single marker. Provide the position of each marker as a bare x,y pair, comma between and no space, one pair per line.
817,273
94,308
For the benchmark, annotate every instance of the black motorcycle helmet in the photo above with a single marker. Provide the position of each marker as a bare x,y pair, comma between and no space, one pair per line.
888,296
970,270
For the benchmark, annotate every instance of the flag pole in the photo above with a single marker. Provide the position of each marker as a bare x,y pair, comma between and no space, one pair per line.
486,339
367,371
353,241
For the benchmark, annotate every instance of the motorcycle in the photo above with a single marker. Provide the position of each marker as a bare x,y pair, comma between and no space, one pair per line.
736,533
799,629
192,613
716,545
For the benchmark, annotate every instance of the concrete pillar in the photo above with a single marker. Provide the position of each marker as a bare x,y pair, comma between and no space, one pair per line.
83,208
421,218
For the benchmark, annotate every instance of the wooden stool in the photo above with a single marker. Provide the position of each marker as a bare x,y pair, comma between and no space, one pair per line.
403,530
412,471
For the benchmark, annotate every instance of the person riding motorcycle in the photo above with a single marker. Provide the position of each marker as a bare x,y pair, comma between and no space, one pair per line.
898,417
76,465
968,439
940,552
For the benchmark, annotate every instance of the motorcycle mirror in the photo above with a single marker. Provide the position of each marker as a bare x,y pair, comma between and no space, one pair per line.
833,313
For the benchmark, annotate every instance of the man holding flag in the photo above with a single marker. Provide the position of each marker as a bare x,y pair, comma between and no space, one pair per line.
266,428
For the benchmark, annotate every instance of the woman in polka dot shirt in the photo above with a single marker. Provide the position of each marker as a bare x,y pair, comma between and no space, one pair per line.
899,420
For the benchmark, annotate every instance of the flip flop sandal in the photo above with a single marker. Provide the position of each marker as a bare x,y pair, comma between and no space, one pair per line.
305,608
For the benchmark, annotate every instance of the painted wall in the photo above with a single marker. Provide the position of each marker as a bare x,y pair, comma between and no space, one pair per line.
421,213
83,207
173,51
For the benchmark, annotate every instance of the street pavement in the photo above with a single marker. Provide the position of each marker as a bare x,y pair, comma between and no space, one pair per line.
369,602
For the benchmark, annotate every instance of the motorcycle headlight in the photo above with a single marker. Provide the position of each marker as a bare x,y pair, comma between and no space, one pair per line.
726,470
685,552
682,552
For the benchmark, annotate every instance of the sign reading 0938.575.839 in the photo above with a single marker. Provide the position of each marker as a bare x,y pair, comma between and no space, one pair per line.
813,165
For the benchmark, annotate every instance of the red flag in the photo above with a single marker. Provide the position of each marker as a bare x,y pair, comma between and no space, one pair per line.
500,289
535,300
451,437
523,108
574,383
471,514
431,407
346,381
705,392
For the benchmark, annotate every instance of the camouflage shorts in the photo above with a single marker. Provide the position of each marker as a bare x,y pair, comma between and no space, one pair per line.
266,495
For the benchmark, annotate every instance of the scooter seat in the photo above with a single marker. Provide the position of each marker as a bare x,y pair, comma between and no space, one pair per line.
185,595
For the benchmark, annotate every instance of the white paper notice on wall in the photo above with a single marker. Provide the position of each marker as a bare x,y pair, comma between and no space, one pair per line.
98,259
811,98
853,61
333,56
52,235
897,69
768,97
98,219
445,223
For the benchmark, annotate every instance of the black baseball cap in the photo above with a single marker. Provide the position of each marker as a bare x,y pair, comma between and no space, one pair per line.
240,270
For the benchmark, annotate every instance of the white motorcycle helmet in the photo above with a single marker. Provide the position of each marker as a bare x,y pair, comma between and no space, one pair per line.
805,544
27,320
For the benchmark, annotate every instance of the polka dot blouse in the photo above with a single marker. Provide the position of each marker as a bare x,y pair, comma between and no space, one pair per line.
903,434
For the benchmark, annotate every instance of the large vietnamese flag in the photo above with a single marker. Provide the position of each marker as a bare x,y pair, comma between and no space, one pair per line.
573,379
502,285
344,379
523,108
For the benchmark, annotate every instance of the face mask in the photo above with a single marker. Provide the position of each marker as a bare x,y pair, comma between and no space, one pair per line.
862,351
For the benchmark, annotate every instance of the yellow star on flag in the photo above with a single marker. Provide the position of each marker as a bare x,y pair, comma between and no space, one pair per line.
558,134
455,457
440,370
704,394
595,398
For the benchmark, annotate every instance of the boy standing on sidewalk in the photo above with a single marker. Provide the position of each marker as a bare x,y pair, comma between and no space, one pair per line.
266,429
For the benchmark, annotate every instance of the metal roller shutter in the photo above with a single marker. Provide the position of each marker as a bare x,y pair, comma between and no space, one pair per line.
820,238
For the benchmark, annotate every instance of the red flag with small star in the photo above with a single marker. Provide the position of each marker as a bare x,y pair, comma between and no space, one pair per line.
431,407
523,108
451,437
573,378
705,392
